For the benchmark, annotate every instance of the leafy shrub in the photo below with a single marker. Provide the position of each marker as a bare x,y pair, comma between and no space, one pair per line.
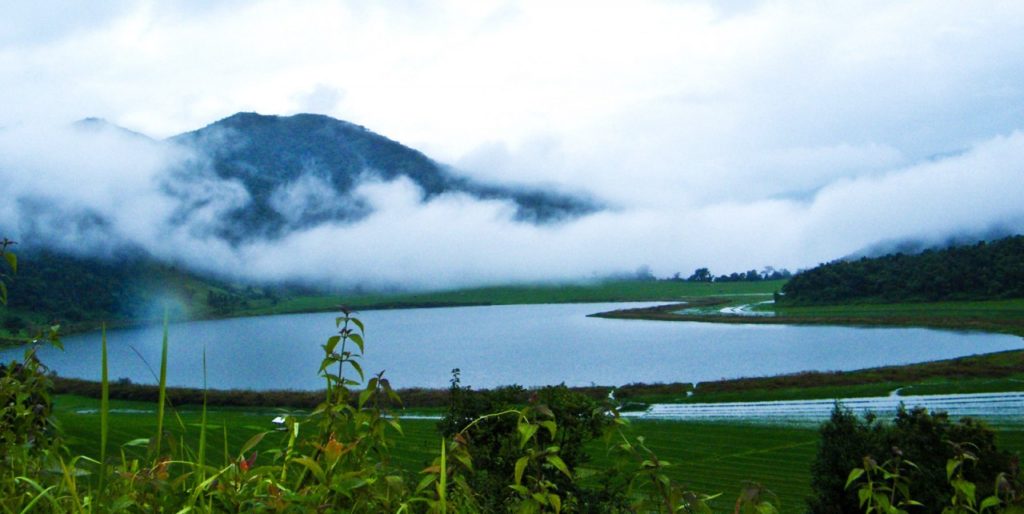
928,440
495,440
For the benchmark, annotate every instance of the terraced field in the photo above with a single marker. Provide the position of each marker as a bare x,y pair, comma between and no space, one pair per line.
708,457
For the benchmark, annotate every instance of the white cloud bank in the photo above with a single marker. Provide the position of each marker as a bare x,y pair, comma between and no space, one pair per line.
731,135
137,199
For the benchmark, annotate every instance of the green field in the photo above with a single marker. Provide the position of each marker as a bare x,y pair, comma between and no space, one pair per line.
994,372
602,291
1006,316
195,306
708,457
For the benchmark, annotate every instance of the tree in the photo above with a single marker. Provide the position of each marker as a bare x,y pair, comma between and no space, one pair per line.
701,275
928,440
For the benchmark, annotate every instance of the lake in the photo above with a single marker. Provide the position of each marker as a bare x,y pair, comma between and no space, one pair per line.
523,344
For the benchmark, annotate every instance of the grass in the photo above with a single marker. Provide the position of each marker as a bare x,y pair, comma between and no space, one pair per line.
994,372
708,457
1004,316
604,291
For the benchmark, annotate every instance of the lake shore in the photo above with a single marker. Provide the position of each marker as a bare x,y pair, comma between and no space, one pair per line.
993,372
997,316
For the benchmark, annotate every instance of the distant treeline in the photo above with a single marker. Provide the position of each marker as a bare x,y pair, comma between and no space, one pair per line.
124,389
982,271
705,275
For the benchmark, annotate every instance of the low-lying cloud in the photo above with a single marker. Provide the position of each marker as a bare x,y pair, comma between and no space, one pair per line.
92,191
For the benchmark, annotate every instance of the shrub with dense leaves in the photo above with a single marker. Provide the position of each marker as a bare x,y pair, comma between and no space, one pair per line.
928,440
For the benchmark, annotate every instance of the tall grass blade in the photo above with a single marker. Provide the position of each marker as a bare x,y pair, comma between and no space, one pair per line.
163,388
43,494
227,458
442,487
202,428
104,409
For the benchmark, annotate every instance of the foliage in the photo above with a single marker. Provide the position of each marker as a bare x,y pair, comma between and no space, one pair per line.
11,260
768,273
495,441
981,271
917,436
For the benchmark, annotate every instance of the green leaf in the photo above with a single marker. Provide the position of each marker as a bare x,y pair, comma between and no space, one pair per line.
520,467
311,465
951,466
545,411
520,489
332,342
854,475
358,340
864,494
396,425
555,501
12,260
359,369
526,431
253,441
551,426
363,396
425,482
359,324
3,293
557,462
988,503
966,487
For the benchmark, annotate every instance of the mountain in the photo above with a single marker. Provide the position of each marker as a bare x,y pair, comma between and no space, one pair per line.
300,171
916,246
245,178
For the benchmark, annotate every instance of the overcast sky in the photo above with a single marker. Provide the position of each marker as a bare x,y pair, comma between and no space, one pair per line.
729,134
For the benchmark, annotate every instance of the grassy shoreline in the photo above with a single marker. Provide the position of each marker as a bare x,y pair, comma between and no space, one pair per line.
1001,371
596,292
999,316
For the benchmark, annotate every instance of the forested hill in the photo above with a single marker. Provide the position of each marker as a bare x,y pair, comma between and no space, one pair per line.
130,287
981,271
302,170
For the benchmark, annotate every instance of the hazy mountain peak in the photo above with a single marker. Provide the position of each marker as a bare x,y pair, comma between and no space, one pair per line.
93,124
301,170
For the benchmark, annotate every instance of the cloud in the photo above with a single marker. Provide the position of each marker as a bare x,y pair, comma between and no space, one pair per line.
130,192
322,99
731,135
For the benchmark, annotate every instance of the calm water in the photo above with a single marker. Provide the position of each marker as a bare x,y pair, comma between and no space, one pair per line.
524,344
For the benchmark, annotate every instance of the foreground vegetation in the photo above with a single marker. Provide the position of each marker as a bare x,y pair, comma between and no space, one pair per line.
714,457
708,456
346,455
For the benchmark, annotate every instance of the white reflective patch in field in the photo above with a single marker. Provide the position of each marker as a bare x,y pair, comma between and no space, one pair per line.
999,409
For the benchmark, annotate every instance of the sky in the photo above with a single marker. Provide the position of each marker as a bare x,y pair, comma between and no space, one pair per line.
729,134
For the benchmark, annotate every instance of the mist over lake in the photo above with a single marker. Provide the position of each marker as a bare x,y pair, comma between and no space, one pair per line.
523,344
